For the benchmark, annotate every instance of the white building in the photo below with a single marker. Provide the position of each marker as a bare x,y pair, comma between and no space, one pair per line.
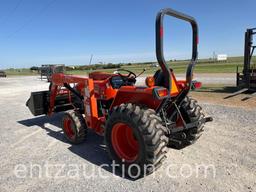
222,57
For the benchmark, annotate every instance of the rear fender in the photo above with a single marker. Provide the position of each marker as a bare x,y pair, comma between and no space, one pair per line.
136,95
143,95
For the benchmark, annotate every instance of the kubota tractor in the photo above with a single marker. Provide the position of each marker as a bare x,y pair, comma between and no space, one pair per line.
138,123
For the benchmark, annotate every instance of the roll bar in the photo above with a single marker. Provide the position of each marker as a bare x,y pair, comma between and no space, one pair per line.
159,43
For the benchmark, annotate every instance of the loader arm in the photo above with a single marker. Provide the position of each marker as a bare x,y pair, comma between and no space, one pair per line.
85,94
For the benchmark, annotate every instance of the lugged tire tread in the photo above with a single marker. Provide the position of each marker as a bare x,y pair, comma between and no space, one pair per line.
80,126
149,126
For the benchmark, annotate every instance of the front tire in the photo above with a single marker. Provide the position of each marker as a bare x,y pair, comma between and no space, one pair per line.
74,127
135,139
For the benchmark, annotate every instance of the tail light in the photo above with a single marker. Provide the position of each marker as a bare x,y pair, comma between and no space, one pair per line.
196,85
160,93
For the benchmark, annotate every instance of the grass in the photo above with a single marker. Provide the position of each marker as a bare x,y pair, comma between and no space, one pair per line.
217,88
203,66
20,72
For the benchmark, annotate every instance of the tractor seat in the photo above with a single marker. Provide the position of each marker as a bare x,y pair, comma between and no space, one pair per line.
99,75
160,79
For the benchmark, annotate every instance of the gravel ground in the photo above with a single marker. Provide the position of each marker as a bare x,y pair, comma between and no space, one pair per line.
29,144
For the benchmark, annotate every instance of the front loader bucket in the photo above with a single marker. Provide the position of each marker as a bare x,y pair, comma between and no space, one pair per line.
38,102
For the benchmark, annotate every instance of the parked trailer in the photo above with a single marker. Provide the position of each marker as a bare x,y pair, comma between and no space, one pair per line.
46,71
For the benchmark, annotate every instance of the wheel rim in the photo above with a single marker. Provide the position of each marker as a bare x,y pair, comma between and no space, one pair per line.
68,126
124,142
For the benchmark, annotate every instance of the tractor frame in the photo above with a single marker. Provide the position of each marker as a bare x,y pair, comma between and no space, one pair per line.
160,111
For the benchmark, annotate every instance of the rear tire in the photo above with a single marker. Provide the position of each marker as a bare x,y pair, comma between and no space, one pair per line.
145,152
191,112
74,127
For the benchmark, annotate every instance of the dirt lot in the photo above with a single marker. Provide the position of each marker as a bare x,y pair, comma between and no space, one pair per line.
27,144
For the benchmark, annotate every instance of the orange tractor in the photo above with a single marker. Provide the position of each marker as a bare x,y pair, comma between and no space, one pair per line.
138,123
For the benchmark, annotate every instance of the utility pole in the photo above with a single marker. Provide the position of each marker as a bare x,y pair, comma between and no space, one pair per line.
214,56
91,59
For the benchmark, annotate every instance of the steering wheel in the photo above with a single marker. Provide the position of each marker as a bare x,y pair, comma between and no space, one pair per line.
130,73
127,79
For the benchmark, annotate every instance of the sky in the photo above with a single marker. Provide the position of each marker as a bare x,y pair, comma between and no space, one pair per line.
35,32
